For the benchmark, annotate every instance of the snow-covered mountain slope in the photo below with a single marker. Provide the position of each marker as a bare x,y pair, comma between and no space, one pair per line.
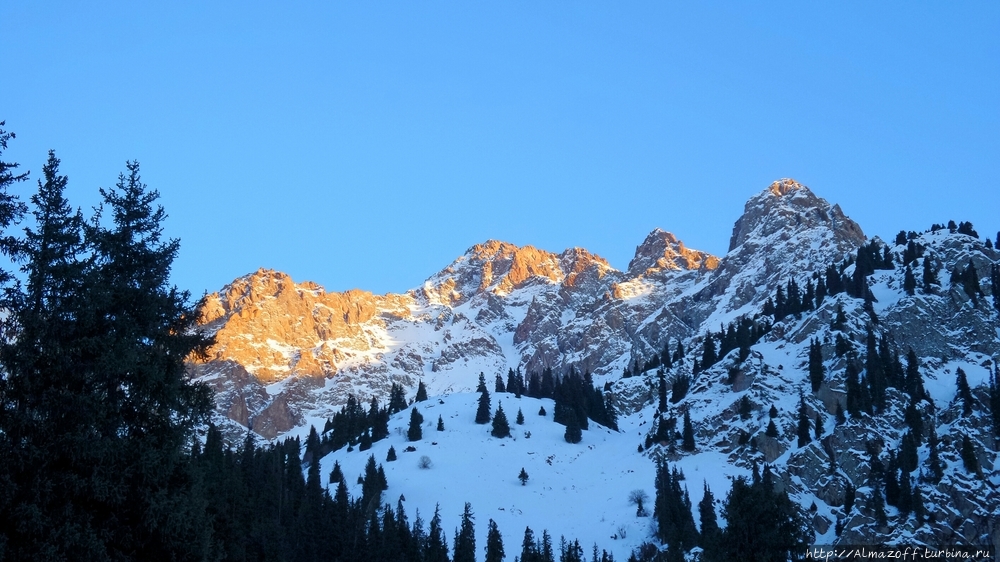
286,351
288,355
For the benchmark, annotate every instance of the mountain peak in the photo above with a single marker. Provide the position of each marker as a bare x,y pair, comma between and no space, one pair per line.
784,186
661,250
785,206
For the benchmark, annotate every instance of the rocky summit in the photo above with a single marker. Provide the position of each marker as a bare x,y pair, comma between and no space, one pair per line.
857,369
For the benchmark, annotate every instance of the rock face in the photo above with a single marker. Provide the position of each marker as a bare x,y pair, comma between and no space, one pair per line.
288,354
287,351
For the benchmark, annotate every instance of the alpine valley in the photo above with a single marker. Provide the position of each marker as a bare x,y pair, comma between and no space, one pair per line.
859,373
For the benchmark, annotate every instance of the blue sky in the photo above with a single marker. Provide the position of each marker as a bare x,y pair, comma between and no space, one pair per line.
368,144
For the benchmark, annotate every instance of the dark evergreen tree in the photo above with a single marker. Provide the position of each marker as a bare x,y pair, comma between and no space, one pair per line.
541,411
804,433
761,524
964,391
436,548
935,468
573,432
708,355
481,387
523,477
913,380
501,428
710,532
397,399
680,387
513,383
483,412
674,522
816,369
744,407
687,434
465,538
440,425
415,432
840,417
421,392
389,457
849,496
968,454
494,544
498,385
909,282
929,276
520,417
878,504
661,390
772,430
772,412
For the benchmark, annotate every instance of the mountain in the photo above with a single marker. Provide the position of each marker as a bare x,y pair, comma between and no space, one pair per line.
799,275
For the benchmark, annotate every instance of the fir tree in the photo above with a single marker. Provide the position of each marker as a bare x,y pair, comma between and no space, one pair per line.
744,408
929,276
878,505
483,412
519,420
761,524
421,392
465,538
494,544
772,430
573,432
389,457
772,412
816,369
397,399
964,391
501,428
440,425
710,531
436,548
481,387
804,435
498,385
849,496
687,434
968,453
995,399
523,477
415,432
909,282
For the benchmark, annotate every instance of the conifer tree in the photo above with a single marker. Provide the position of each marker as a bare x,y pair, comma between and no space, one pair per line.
878,504
481,387
687,433
909,282
804,434
440,425
710,531
929,276
389,457
494,544
968,453
935,468
849,496
397,399
436,548
573,432
523,477
483,412
415,432
964,391
465,538
421,392
520,417
498,384
816,369
744,407
995,399
772,430
501,428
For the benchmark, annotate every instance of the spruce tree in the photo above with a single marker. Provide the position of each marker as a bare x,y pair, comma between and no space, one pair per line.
415,432
520,417
968,454
710,531
772,430
483,411
465,538
804,435
421,392
523,477
498,385
573,432
435,547
440,425
816,369
687,434
909,282
964,391
494,544
501,428
94,387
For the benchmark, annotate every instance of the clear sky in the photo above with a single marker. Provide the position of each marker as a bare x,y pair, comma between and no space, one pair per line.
368,144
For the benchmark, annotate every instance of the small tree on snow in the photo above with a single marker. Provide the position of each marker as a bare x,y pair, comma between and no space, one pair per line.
523,477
